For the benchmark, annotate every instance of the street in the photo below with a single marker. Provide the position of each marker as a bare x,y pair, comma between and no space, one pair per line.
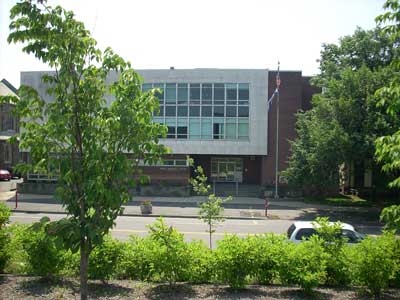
192,228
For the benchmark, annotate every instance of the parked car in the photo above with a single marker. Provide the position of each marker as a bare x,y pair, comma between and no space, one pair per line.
302,230
5,175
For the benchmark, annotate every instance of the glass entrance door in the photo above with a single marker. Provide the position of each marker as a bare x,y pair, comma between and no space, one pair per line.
226,169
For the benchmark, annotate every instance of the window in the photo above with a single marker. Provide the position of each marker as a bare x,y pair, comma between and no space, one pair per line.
183,91
206,111
206,93
231,128
206,129
194,128
231,92
182,111
210,110
194,111
170,93
244,91
305,233
195,93
170,111
219,111
181,130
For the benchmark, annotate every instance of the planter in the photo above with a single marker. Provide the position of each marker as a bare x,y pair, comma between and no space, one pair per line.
146,208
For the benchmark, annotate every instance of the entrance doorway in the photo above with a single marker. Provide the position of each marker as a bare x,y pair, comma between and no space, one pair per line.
224,169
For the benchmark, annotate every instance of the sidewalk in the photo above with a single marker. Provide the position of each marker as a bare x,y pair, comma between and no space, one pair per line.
237,208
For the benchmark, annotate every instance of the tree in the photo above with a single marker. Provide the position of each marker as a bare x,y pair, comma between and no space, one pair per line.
388,146
211,210
77,133
345,120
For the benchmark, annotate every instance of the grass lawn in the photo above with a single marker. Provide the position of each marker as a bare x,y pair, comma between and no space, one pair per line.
340,200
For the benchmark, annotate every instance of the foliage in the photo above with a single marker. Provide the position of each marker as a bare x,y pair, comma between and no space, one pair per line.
233,261
201,263
18,261
345,120
333,243
267,251
391,217
78,136
304,264
170,259
136,259
39,244
372,263
104,258
5,213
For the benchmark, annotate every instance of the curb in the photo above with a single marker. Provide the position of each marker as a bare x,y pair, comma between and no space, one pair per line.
142,215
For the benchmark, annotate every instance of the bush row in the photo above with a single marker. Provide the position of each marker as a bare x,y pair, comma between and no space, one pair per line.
164,256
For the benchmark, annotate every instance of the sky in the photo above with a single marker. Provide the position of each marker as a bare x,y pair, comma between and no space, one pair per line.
185,34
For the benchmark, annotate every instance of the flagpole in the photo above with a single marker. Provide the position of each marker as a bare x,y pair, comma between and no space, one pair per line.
278,82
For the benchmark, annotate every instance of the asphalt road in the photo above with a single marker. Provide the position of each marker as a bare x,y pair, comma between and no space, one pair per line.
192,228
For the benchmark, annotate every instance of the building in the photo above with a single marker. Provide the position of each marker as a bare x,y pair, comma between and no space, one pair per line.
9,126
219,117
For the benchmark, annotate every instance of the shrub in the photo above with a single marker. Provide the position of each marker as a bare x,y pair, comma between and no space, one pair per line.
5,214
201,263
4,254
233,261
104,258
373,263
136,258
18,259
267,255
304,264
170,259
43,256
337,273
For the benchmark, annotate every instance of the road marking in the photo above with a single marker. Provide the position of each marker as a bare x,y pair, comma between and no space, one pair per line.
185,232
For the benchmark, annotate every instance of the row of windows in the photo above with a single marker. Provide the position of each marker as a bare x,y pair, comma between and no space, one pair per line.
203,111
206,128
201,93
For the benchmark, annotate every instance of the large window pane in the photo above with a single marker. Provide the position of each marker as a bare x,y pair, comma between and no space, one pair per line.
170,110
243,111
219,91
146,87
159,113
194,111
243,91
194,128
183,92
206,128
206,93
231,91
195,91
171,124
231,111
182,129
218,128
170,93
243,129
231,128
219,111
182,111
206,111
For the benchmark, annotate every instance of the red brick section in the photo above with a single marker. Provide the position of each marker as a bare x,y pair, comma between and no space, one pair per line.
295,94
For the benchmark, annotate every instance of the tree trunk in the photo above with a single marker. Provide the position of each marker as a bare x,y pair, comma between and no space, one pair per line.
210,228
84,268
